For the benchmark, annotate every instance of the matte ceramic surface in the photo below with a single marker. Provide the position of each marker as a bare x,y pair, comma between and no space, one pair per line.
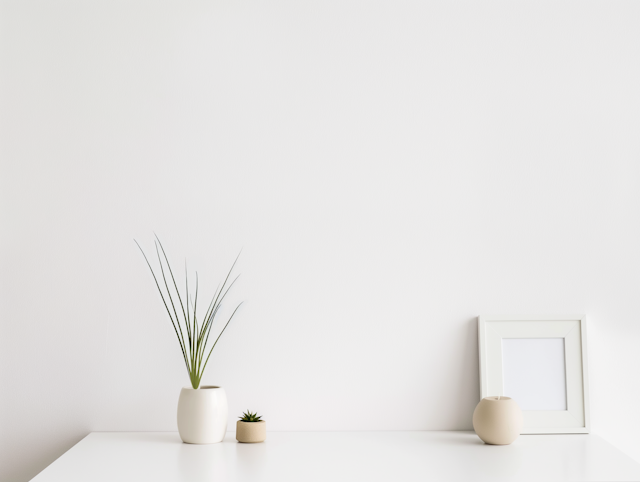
341,457
202,415
251,432
497,420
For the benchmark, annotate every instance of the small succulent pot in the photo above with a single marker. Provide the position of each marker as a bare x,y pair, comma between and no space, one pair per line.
251,432
497,420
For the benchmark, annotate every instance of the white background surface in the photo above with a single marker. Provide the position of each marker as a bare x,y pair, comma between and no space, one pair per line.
391,169
342,457
534,372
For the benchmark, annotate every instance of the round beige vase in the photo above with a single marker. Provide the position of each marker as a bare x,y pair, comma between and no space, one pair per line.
497,420
251,432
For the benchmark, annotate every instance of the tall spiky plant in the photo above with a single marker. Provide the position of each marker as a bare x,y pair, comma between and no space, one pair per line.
194,346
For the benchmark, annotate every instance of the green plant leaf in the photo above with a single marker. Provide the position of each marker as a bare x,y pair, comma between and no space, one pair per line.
196,344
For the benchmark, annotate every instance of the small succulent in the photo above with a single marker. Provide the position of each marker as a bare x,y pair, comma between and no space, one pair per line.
250,417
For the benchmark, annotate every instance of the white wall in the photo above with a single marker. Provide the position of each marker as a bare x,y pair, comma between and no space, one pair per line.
392,170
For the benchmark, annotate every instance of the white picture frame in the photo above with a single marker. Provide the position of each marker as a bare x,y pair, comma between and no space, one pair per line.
527,355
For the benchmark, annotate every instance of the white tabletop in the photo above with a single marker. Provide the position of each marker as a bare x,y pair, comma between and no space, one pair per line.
341,456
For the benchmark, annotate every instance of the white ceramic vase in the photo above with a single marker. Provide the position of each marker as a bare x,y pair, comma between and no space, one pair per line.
202,415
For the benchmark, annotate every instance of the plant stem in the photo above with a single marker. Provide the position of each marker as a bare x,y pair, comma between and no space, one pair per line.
194,347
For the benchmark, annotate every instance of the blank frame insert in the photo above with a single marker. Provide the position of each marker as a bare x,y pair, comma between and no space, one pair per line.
534,372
